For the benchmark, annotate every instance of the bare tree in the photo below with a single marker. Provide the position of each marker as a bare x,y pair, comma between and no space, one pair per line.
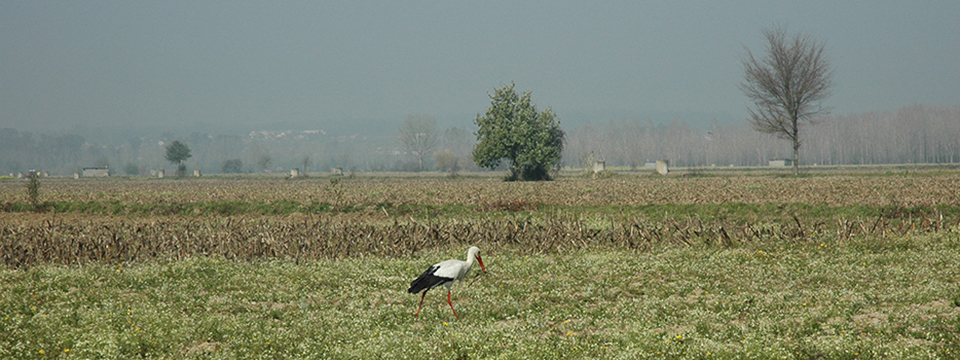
419,136
305,161
787,86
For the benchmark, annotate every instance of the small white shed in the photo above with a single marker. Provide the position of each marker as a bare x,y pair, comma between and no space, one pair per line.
781,162
96,172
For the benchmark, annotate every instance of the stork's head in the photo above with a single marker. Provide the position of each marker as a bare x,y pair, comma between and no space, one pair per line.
474,252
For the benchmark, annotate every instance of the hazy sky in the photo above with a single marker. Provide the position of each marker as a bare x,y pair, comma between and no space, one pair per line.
307,65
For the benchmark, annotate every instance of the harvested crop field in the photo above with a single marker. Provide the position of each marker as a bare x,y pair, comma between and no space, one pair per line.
742,266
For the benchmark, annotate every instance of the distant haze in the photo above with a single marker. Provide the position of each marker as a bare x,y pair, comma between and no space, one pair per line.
246,65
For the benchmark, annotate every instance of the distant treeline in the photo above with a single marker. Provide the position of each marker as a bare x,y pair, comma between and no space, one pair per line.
914,134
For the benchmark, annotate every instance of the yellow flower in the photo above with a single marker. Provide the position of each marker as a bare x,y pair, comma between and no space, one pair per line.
41,351
66,350
679,336
445,323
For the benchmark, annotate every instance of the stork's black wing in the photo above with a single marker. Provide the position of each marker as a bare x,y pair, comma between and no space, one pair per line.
427,280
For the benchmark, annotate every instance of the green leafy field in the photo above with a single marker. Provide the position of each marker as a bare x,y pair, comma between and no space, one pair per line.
858,299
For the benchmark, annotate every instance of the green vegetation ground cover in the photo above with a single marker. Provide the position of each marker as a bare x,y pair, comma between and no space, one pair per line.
866,298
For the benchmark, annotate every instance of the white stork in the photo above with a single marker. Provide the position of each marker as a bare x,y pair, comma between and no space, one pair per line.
445,273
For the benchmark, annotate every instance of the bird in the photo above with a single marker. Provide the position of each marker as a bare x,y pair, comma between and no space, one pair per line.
445,273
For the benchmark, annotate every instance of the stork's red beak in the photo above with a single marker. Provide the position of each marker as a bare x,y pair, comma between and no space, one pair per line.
481,263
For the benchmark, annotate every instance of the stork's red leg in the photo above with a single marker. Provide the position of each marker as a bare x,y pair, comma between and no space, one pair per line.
421,302
451,305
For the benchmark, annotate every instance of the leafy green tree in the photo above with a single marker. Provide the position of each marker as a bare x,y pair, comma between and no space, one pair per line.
33,191
514,130
131,169
177,153
264,161
232,166
447,161
102,162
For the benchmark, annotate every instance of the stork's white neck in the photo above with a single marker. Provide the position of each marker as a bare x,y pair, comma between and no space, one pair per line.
471,258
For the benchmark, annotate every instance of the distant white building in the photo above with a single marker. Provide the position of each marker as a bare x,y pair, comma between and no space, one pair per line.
663,167
781,162
96,172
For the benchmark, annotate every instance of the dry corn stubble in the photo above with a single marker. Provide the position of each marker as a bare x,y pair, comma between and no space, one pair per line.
517,221
907,191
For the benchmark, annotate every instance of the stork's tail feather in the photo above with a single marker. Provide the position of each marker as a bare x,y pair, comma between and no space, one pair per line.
417,286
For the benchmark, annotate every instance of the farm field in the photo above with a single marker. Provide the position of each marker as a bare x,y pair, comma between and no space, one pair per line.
748,266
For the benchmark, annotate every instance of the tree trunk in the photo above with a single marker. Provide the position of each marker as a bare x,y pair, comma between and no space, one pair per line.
795,121
796,156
